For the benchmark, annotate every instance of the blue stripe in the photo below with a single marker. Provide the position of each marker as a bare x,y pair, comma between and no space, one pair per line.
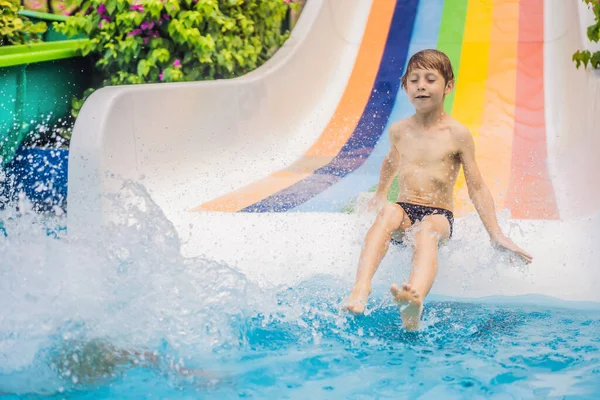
370,127
425,35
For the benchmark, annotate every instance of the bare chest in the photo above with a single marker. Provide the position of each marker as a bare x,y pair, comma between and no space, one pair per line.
427,151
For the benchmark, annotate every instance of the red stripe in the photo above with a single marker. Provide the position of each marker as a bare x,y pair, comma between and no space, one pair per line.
531,195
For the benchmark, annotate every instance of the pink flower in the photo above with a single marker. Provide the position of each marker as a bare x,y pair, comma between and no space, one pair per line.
176,63
101,24
134,32
105,18
36,5
137,7
161,76
147,25
166,17
101,9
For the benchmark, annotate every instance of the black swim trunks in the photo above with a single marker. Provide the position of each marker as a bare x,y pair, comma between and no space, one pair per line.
416,213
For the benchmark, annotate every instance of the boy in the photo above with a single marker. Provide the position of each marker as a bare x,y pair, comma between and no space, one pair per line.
426,152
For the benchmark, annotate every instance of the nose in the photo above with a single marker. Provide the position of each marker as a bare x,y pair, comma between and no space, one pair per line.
420,85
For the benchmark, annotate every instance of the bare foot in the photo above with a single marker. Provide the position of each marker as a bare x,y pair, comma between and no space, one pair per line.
357,301
410,304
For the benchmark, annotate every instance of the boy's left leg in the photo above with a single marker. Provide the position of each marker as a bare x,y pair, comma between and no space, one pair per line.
427,235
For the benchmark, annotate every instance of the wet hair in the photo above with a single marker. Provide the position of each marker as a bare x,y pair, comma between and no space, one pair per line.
430,59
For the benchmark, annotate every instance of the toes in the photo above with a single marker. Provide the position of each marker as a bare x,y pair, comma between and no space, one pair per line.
406,286
396,291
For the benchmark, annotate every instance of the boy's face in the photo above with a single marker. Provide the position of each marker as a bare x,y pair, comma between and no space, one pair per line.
426,88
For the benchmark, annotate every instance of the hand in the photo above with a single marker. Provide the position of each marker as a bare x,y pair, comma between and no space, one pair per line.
503,243
376,203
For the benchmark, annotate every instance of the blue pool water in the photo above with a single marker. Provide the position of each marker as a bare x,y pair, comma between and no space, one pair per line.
308,349
125,316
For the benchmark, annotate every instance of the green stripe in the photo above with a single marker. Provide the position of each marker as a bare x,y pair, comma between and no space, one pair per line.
450,37
39,52
42,16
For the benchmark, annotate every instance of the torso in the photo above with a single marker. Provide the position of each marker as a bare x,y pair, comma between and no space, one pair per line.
429,163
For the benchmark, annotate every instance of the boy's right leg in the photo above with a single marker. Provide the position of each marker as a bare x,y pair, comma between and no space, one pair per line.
391,218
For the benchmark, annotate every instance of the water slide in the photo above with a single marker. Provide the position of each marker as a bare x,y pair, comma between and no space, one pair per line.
265,172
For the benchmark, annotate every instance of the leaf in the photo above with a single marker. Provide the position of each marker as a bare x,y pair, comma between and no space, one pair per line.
593,32
240,60
111,5
161,55
585,57
143,68
595,60
577,58
154,8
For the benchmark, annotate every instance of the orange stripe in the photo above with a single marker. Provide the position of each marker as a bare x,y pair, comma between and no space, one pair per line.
495,141
340,127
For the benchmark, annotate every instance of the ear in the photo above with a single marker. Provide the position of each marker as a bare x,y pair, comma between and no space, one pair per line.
449,87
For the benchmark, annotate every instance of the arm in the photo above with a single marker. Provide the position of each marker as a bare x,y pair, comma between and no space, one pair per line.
388,171
482,198
478,190
389,167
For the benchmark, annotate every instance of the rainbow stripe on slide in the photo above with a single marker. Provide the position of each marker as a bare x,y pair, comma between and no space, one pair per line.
496,47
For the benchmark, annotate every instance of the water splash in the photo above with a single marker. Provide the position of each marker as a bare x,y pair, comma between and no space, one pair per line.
130,287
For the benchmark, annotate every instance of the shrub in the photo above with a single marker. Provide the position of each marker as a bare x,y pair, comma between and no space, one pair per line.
593,33
147,41
15,29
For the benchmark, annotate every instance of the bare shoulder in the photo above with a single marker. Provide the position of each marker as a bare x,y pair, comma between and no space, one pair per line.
398,128
461,134
458,129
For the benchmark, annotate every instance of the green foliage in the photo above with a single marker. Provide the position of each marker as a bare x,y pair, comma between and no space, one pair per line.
149,41
586,57
15,29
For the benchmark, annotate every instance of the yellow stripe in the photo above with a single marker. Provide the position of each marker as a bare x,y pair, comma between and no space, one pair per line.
471,83
498,126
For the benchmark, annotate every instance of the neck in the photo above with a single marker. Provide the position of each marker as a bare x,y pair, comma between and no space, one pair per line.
430,117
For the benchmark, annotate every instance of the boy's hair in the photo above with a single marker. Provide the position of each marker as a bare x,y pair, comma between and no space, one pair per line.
430,59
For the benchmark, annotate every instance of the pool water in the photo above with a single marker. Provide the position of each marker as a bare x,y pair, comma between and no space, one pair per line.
308,349
125,316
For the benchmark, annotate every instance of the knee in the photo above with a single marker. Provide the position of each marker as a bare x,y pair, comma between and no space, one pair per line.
390,214
426,232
